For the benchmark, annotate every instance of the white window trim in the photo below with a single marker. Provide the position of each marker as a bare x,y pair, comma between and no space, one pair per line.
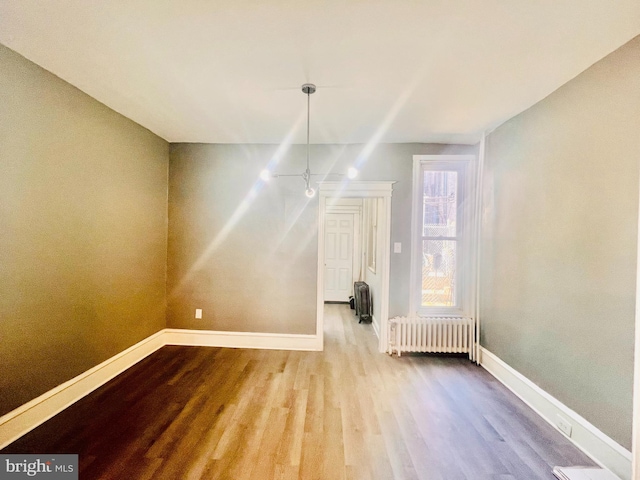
465,290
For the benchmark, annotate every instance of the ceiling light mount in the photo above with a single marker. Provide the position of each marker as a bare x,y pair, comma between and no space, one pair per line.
307,89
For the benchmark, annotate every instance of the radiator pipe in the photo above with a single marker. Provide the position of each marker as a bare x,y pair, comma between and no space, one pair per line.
478,243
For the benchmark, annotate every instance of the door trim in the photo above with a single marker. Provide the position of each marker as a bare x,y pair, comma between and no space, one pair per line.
333,190
635,432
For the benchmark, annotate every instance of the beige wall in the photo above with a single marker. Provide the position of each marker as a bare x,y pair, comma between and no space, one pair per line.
559,241
260,273
83,215
247,261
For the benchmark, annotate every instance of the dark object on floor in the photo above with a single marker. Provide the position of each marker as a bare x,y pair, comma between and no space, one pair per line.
352,303
363,301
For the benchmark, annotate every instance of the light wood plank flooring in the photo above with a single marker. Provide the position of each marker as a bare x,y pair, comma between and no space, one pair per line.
345,413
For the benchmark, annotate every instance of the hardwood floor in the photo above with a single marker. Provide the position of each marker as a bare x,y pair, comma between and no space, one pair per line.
345,413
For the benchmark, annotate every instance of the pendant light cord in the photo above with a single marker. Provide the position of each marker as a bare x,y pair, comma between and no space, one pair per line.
308,115
308,88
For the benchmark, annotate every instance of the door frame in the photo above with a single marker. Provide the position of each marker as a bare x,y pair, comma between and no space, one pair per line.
635,421
360,189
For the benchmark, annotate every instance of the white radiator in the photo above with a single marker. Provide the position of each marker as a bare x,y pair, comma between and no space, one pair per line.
432,335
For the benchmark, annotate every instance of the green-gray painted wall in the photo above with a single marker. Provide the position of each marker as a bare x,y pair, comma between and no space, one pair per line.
559,223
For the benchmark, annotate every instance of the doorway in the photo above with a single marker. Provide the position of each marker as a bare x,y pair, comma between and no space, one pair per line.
329,194
341,248
338,256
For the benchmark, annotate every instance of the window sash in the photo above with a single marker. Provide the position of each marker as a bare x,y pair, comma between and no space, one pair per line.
460,283
436,285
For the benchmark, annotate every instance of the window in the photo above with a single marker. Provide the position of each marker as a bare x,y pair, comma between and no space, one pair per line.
439,238
441,254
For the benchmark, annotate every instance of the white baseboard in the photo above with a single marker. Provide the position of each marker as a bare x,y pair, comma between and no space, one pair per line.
376,325
271,341
588,438
25,418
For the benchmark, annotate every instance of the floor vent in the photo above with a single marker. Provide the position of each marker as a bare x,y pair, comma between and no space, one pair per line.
583,473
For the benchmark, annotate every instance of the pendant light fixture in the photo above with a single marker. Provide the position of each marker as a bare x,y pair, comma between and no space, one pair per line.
307,89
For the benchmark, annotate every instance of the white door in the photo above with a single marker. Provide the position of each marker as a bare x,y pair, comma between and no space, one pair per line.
338,257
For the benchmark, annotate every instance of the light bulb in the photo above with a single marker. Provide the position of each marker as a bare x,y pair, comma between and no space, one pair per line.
352,172
265,175
309,192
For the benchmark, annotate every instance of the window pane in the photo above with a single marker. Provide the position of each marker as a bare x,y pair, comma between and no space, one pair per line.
438,273
439,199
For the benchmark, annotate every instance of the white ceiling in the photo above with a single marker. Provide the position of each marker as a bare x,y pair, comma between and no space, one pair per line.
230,71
